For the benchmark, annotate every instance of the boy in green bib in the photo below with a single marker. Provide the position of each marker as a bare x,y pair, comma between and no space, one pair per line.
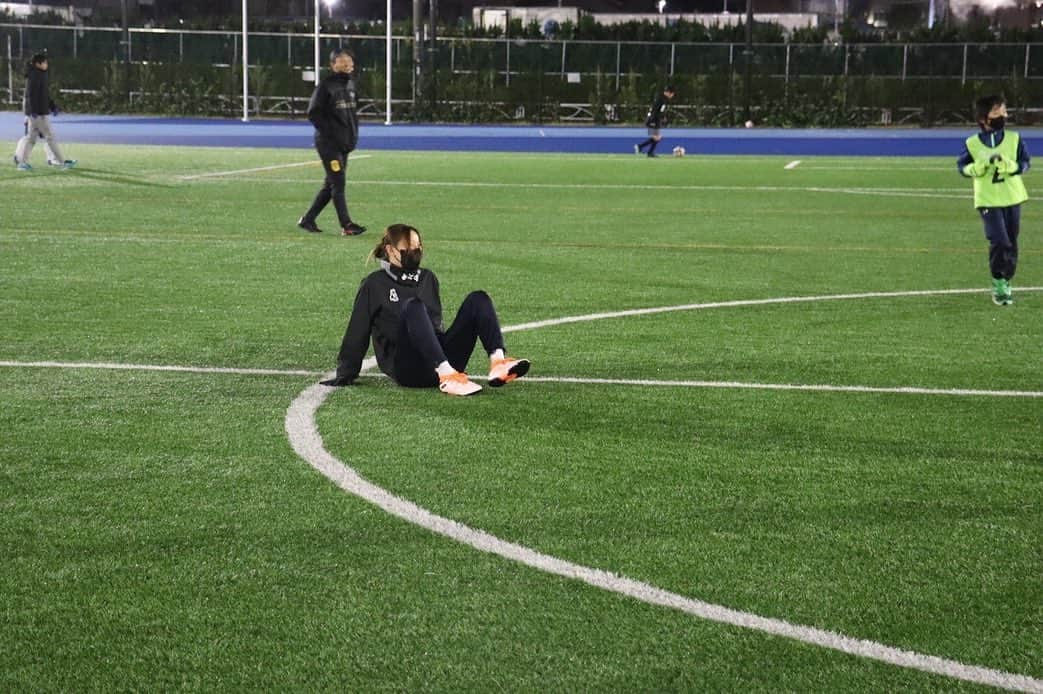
995,159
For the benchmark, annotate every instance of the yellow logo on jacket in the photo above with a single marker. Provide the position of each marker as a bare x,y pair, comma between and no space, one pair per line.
335,166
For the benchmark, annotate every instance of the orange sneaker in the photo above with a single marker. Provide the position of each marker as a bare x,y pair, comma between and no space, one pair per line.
504,371
458,384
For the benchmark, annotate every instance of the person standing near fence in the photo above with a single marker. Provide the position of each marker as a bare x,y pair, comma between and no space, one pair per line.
995,159
655,121
332,112
38,108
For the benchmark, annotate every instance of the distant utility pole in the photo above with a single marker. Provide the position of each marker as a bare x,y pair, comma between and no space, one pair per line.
125,46
418,23
747,78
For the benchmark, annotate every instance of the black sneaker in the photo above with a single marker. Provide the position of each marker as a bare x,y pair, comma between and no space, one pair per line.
309,226
352,229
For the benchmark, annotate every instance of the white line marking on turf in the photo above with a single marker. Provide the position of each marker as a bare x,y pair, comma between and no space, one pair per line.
746,302
792,165
882,192
158,367
304,436
903,390
218,174
826,387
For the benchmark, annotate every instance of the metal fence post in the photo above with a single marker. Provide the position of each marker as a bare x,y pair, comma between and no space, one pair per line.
787,65
1027,59
452,57
181,46
562,58
618,49
75,52
10,73
673,54
963,78
847,56
508,62
905,59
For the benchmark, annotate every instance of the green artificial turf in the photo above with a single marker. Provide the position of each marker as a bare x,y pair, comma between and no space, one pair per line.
157,531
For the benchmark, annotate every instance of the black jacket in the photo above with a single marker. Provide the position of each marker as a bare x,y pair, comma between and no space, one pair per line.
657,113
332,112
37,92
376,312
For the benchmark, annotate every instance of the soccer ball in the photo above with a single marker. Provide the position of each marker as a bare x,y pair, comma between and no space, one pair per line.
678,151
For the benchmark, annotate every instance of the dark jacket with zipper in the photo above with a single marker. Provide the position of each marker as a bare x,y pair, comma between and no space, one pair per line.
332,112
37,92
376,313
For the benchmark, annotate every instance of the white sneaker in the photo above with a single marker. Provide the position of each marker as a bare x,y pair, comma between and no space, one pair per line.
504,371
457,384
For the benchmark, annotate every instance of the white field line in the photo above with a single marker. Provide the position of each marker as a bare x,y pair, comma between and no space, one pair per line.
579,380
792,165
882,192
903,390
306,440
157,367
747,302
878,168
218,174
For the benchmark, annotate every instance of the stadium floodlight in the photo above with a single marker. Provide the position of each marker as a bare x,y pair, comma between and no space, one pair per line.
329,6
661,5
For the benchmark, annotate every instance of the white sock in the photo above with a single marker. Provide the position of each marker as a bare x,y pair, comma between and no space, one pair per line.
497,355
445,369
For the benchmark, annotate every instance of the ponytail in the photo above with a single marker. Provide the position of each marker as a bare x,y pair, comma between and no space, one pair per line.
392,235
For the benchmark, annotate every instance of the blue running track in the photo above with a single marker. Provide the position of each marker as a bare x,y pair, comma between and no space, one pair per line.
199,132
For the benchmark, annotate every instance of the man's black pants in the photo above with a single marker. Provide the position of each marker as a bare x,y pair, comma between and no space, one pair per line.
335,162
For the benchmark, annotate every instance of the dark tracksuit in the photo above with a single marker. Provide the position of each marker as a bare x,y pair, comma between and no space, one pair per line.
655,120
37,104
332,112
402,311
1002,224
37,92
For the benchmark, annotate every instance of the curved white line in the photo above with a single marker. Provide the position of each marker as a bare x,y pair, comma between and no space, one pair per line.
304,436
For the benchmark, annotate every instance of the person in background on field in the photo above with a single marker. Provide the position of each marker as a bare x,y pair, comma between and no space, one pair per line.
38,107
399,305
995,158
655,121
332,112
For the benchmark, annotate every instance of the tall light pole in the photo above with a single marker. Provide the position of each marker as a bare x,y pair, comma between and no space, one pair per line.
246,71
387,66
316,56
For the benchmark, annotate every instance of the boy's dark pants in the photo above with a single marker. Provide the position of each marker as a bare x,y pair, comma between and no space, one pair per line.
1002,226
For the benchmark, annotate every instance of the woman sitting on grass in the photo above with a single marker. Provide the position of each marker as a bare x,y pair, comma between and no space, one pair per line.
400,306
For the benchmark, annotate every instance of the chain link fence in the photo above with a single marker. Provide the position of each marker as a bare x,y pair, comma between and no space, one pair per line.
483,80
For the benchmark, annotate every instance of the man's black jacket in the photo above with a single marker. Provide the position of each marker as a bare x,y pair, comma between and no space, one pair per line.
332,112
376,312
37,92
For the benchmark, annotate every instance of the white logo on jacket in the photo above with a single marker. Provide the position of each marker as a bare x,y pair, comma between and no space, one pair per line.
394,295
